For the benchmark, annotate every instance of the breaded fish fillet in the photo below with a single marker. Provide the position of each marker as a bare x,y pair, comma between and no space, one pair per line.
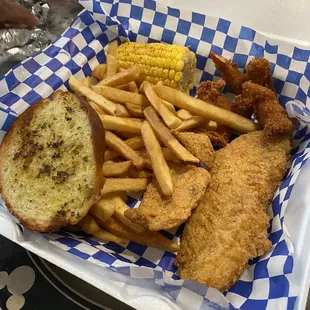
159,212
229,226
199,145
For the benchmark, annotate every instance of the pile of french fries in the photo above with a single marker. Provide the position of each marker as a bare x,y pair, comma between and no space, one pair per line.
139,122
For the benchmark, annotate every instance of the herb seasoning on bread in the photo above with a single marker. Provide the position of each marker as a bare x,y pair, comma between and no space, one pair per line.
51,161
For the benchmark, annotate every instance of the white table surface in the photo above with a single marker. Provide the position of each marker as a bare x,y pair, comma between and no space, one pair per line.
286,18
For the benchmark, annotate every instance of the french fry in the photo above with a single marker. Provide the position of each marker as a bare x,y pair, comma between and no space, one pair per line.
148,238
141,89
121,87
120,208
97,108
124,77
121,111
171,120
132,125
134,173
111,65
169,106
160,167
134,143
134,109
194,122
126,184
87,81
100,72
121,96
207,110
105,104
147,163
168,154
103,209
90,226
105,235
123,196
112,47
132,87
160,83
166,136
120,146
115,169
184,114
126,134
112,195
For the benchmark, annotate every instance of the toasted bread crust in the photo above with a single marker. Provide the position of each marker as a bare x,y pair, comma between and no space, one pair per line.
98,141
98,137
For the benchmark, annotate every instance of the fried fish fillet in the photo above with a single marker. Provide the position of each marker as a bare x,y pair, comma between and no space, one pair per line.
159,212
199,145
229,226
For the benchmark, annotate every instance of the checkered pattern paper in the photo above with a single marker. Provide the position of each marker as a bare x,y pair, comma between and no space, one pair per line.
267,283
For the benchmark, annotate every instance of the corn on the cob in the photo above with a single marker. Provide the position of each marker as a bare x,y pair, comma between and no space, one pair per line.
172,64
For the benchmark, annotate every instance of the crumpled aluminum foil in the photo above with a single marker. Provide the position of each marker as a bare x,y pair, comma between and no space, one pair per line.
18,44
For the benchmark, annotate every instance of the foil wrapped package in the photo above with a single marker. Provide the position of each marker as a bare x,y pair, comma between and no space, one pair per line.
18,44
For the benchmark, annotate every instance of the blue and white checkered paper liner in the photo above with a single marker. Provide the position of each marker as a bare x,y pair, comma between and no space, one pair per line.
268,282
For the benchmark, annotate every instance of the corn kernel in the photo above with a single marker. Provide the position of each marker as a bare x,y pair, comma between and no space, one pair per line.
156,80
174,54
179,56
162,63
173,64
148,78
178,76
174,84
160,72
168,55
167,63
167,82
179,65
171,74
155,71
165,73
147,70
152,80
148,60
153,61
127,64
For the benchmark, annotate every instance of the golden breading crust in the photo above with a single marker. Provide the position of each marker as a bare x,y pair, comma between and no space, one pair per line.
229,226
159,212
199,145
